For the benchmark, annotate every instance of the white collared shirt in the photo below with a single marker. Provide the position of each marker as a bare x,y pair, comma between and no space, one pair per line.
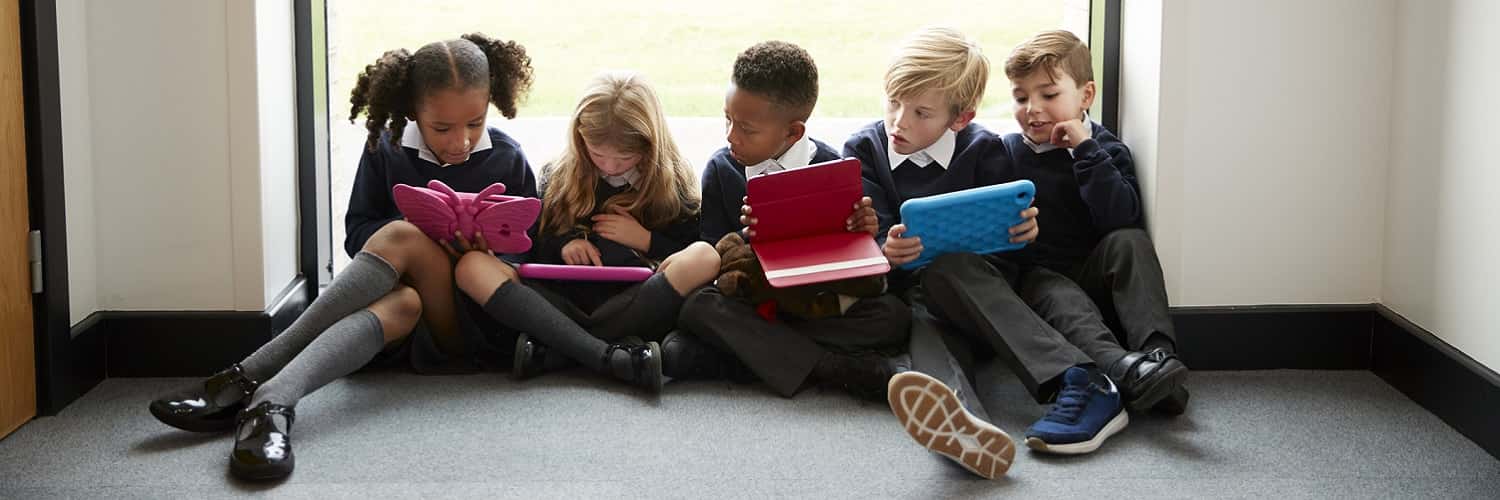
411,137
629,177
798,156
940,152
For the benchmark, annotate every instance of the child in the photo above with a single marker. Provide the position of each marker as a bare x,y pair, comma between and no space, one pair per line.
771,96
620,195
927,145
1095,252
398,276
772,93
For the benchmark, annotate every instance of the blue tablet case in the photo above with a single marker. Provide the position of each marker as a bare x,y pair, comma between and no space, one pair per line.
976,220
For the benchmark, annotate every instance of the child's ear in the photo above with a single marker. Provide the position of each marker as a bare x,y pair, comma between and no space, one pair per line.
795,131
962,120
1088,95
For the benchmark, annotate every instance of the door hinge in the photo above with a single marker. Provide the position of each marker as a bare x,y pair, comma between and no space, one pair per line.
35,249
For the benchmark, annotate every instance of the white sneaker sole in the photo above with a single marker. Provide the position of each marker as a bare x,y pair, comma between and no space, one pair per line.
931,413
1114,426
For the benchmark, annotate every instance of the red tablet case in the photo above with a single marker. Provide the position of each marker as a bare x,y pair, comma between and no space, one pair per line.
800,236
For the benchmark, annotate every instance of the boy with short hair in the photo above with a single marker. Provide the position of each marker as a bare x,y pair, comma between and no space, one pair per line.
926,146
773,92
1100,268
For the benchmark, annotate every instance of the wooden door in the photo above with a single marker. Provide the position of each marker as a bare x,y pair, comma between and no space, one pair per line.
17,358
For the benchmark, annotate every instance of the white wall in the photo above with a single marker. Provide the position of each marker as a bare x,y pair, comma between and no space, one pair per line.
78,168
1443,215
178,116
1266,171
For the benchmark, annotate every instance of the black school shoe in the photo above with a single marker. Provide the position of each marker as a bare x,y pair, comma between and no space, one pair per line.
533,358
197,408
1147,378
686,357
865,375
263,451
642,368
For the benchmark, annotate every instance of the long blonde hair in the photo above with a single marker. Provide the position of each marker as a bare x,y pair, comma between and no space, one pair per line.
619,109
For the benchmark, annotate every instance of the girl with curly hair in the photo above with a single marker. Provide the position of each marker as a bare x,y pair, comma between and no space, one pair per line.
396,300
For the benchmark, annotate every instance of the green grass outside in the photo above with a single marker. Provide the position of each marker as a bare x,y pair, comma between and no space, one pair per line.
685,48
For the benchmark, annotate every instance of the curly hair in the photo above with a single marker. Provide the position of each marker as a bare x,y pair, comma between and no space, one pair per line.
388,90
781,72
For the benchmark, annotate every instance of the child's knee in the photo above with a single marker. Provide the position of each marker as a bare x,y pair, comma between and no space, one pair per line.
478,274
703,256
1130,239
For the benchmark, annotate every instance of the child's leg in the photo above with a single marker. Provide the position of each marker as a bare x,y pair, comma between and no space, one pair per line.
871,323
976,296
1065,306
1124,277
262,446
938,407
778,354
426,267
493,283
367,278
343,347
691,268
650,310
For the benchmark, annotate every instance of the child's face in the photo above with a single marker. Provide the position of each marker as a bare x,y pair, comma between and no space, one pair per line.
611,160
914,123
452,120
756,132
1042,101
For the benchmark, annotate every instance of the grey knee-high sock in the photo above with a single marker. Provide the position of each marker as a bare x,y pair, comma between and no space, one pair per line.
341,349
517,306
366,279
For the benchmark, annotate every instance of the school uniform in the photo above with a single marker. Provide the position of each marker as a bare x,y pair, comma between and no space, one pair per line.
495,158
974,296
724,183
614,310
782,353
1103,272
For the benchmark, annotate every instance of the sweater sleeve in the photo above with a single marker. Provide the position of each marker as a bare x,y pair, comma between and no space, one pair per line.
370,204
521,168
713,217
1106,181
674,237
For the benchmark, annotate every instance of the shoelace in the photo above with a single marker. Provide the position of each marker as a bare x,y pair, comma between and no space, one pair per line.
1069,405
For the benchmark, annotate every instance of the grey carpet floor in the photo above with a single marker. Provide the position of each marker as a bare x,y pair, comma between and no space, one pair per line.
1283,434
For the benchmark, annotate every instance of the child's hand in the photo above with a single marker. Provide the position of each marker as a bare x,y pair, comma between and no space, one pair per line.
580,252
745,217
1071,133
863,220
620,227
460,245
1026,231
900,250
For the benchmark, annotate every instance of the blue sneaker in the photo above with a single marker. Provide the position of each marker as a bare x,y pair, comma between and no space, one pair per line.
1088,411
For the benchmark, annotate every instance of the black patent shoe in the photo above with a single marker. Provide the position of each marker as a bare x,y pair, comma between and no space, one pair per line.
207,407
685,357
1146,378
262,450
533,358
643,368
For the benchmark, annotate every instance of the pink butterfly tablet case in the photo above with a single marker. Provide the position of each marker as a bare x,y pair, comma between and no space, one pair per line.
439,212
799,232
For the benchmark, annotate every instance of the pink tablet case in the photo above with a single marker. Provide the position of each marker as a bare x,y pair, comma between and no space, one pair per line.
439,211
584,273
800,236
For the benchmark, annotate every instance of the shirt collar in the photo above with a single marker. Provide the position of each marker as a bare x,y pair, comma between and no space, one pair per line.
411,137
629,177
795,157
940,152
